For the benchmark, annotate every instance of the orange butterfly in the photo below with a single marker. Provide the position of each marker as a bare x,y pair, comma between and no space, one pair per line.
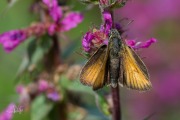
118,62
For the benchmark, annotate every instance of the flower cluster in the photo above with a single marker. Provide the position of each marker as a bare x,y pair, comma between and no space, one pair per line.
13,38
62,21
96,37
36,88
7,114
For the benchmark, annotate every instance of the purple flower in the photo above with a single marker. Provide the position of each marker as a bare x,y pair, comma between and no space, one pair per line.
71,20
52,29
148,43
107,22
98,37
12,38
56,13
50,3
53,96
7,114
43,85
137,45
131,43
86,42
19,89
54,10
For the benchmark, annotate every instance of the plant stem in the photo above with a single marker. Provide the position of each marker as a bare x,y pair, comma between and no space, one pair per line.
116,110
53,60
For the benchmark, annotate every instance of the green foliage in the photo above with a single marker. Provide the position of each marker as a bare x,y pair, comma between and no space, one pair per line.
95,2
40,108
37,49
103,104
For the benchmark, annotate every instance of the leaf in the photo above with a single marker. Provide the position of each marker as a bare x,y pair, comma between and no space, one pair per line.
96,2
11,2
31,48
74,85
23,67
40,108
102,104
38,48
70,48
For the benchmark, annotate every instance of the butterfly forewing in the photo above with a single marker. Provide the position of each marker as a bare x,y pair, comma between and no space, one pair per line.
135,74
93,73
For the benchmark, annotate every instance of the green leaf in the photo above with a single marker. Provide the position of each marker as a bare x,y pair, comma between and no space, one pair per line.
70,48
23,67
38,48
74,85
40,108
102,104
96,2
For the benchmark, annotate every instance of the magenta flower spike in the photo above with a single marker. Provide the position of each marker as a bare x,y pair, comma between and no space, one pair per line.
54,9
97,37
7,114
71,20
11,39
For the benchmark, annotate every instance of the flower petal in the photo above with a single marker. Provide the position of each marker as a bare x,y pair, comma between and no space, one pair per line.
12,39
71,20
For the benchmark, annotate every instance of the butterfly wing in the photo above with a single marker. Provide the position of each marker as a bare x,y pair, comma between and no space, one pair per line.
94,71
135,74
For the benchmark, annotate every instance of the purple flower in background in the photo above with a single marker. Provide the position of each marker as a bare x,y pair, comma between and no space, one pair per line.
71,20
137,45
19,89
43,85
50,3
53,96
7,114
12,39
61,23
52,29
54,9
56,13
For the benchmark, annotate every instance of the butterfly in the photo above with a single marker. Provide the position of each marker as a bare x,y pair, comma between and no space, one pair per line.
113,64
